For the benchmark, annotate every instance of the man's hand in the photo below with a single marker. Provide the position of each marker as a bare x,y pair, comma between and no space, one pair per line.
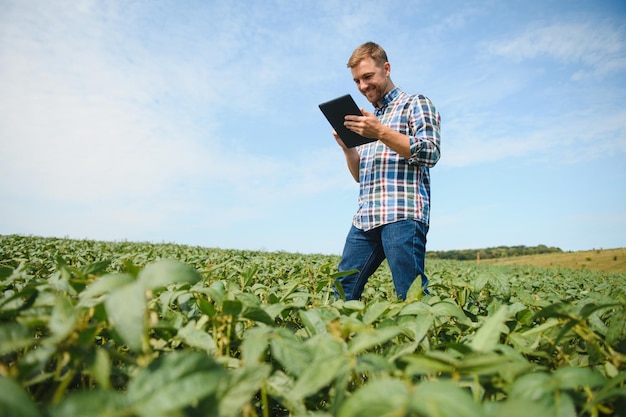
370,127
352,157
339,141
366,125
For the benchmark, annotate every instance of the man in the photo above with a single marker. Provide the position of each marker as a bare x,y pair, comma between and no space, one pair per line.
393,174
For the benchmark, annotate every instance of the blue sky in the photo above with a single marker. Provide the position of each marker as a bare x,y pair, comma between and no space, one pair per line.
196,122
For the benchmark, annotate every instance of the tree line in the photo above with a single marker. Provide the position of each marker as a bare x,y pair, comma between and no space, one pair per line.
490,253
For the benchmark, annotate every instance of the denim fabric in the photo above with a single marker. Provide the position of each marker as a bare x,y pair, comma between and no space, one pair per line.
403,243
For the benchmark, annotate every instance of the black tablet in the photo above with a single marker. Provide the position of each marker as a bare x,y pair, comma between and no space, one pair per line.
335,111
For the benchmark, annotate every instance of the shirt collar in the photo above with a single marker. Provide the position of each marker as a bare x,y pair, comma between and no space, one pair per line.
388,98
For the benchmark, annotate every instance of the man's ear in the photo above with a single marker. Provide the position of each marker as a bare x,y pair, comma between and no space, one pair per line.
387,67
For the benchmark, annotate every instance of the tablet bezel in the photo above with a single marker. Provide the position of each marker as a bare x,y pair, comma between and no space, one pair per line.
335,111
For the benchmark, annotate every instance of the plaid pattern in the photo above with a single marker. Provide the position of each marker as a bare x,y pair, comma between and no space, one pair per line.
393,188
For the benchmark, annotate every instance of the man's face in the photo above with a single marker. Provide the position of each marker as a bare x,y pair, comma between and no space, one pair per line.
372,80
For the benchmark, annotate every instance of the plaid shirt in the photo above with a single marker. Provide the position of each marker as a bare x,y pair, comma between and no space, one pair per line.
393,188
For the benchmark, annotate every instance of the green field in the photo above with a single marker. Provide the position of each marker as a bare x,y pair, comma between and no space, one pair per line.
605,260
93,328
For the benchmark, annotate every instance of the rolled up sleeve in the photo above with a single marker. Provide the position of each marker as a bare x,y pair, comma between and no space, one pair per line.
425,133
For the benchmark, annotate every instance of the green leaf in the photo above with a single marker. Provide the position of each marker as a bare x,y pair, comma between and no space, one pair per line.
63,318
167,271
443,399
368,339
14,402
254,344
273,310
536,331
446,308
563,405
613,390
420,326
480,281
290,351
216,291
255,313
488,335
616,332
556,310
533,387
206,307
197,338
525,317
19,301
279,386
339,289
378,398
14,337
313,321
431,363
5,272
319,374
232,308
174,381
354,305
96,268
372,362
591,308
126,309
99,365
493,362
571,377
101,403
247,275
374,311
519,408
416,308
416,290
243,383
329,362
103,285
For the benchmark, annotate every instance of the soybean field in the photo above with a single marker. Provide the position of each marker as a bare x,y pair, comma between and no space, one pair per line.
91,328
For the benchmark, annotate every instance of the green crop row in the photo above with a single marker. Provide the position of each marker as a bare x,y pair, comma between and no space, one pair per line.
136,329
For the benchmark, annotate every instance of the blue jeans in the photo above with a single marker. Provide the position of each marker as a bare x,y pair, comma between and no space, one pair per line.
403,243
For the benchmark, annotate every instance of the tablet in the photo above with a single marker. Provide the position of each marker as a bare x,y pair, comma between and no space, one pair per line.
335,111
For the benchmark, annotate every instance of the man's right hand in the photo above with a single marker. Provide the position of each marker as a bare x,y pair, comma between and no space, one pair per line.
339,141
352,157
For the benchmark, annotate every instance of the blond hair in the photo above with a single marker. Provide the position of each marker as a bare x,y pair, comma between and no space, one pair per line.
368,50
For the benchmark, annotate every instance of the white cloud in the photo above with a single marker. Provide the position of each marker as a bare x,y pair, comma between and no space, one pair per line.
102,126
497,111
569,138
599,46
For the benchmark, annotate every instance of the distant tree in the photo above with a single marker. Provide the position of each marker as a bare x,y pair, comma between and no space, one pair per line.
492,252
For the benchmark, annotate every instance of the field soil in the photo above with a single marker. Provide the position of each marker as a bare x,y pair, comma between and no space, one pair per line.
603,260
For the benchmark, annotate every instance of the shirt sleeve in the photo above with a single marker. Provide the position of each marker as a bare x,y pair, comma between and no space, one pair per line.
424,128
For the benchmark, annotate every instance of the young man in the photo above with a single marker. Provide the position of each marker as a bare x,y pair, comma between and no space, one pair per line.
393,175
